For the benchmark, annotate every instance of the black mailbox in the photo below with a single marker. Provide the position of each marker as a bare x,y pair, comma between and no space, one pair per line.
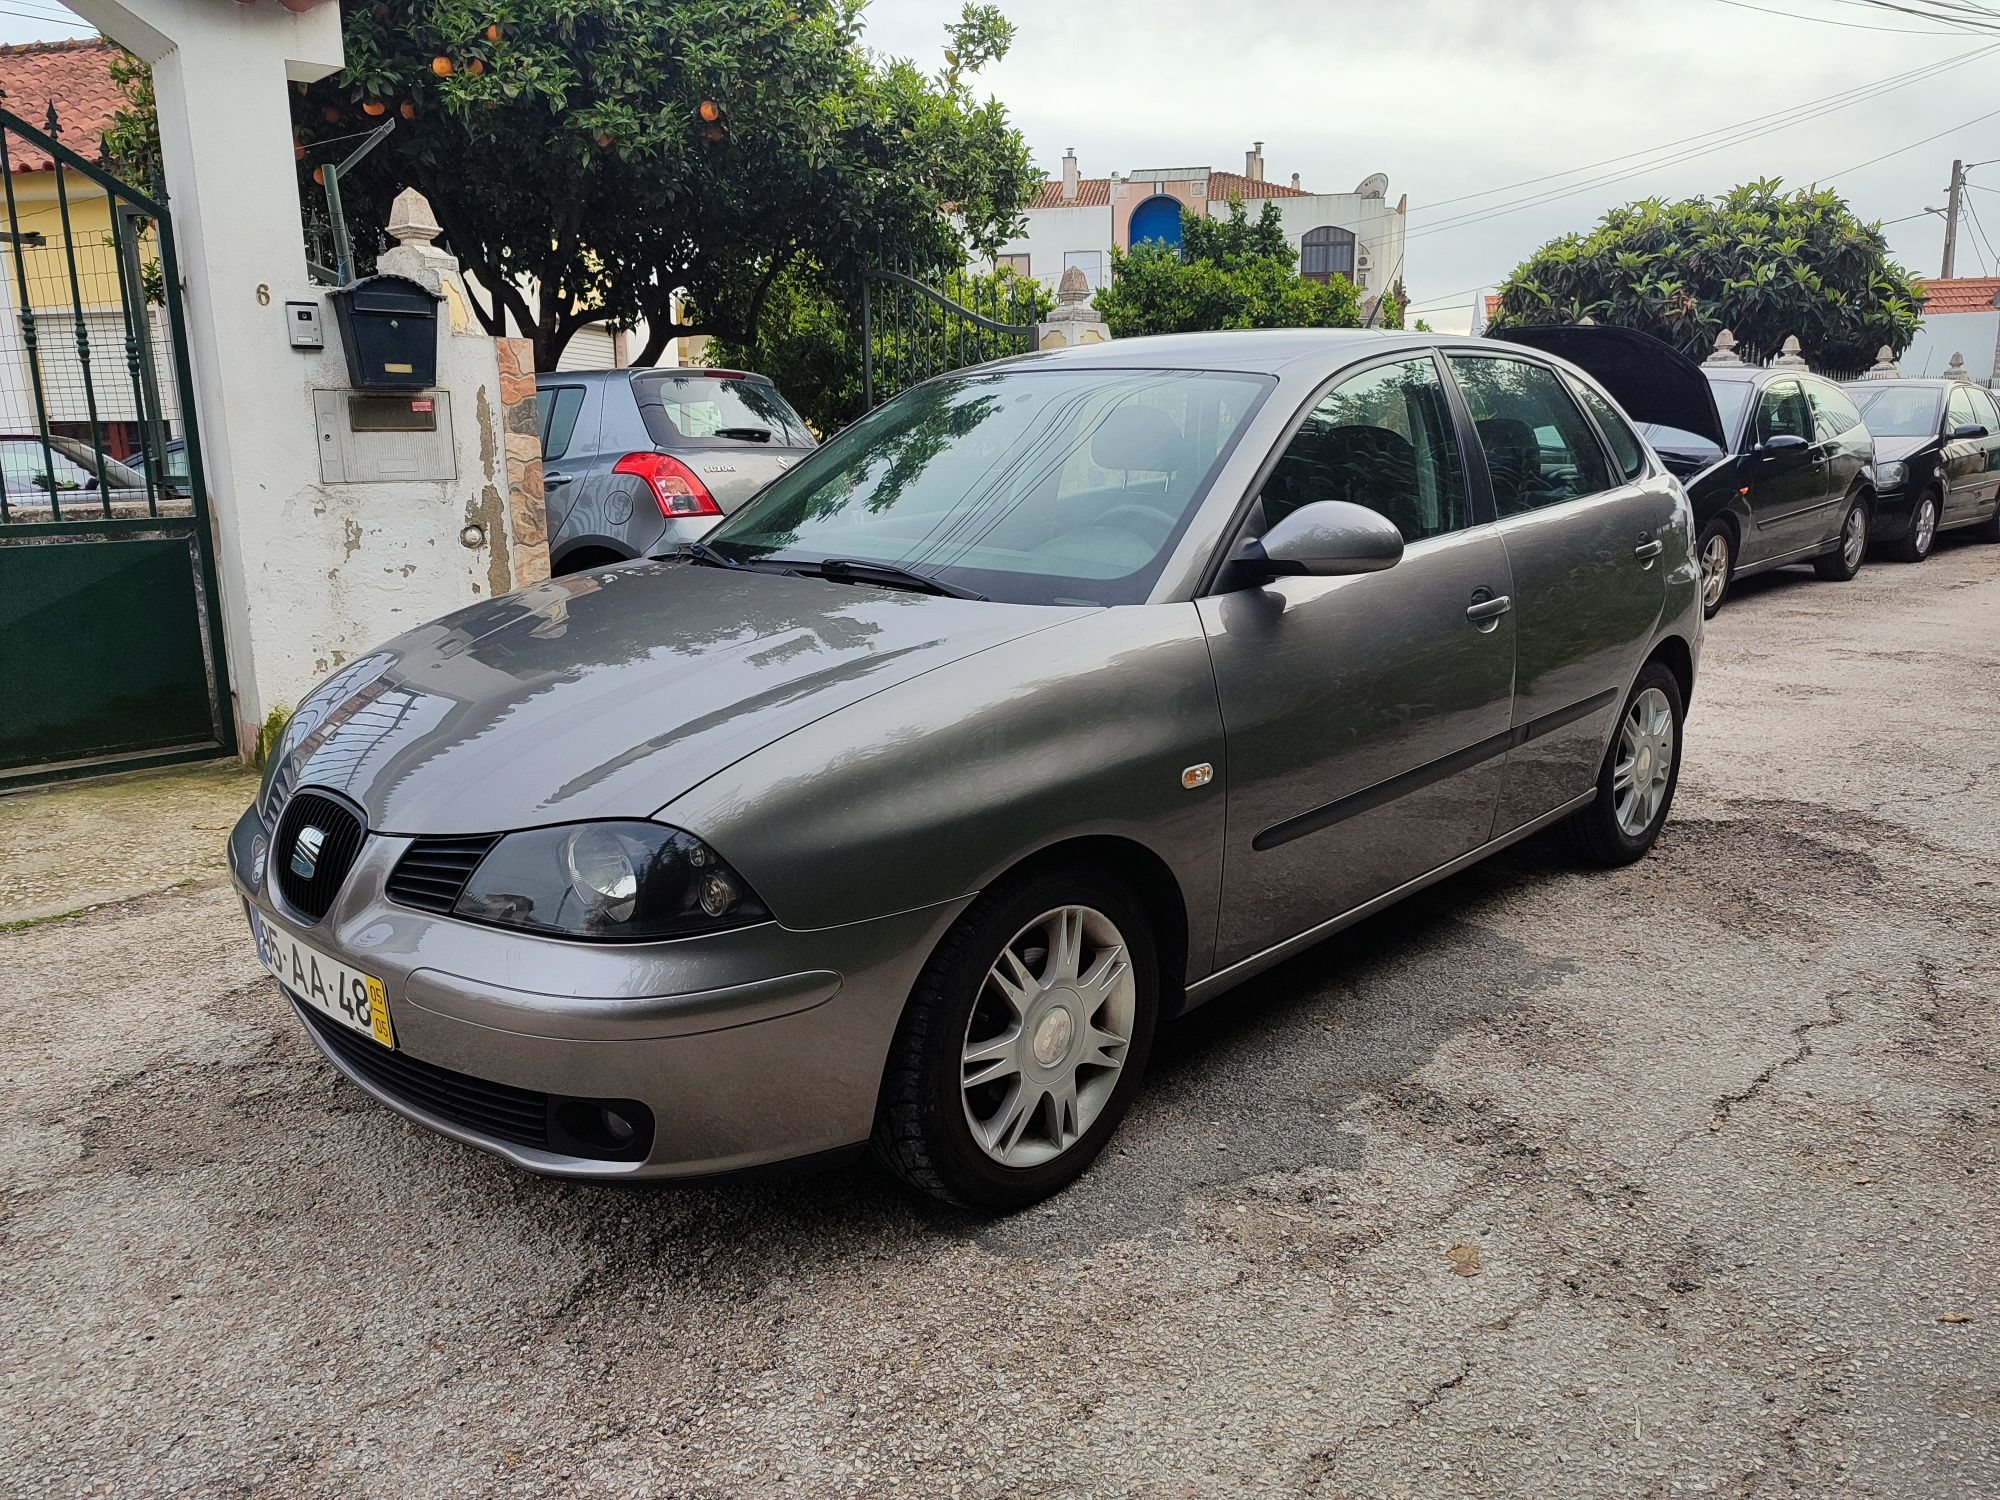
388,325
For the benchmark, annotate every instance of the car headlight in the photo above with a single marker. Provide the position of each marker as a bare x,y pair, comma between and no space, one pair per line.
1890,476
613,882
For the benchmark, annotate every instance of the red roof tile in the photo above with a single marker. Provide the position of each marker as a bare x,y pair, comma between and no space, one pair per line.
1961,294
1095,192
75,76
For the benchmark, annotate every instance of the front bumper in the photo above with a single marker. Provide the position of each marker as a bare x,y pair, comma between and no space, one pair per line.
1889,518
750,1046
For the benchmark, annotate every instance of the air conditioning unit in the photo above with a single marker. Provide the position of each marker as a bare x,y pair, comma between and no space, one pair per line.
1365,261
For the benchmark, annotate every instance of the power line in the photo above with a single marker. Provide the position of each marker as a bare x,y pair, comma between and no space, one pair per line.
1911,75
1792,15
1800,116
1964,125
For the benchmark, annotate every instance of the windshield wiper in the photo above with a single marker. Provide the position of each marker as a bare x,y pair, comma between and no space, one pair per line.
708,557
889,575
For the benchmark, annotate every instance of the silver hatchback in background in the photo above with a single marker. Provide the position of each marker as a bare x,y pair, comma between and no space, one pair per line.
637,463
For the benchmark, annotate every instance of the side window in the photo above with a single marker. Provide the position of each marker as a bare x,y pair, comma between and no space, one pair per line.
560,406
1958,409
1782,412
1833,413
1382,439
1539,449
1626,449
1983,411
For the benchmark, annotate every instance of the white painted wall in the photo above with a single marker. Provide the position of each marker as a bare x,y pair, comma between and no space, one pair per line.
311,573
1052,231
1975,335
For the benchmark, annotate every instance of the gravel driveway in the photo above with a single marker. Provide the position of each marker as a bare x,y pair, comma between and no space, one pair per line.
1676,1181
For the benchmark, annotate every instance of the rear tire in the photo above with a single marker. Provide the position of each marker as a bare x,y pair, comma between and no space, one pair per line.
1023,1042
1634,793
1917,542
1716,551
1850,548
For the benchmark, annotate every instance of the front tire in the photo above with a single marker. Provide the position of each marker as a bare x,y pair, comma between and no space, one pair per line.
1849,551
1635,787
1717,551
1922,535
1023,1043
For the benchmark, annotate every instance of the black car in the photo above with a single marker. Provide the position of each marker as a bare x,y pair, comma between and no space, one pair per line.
1937,461
1777,462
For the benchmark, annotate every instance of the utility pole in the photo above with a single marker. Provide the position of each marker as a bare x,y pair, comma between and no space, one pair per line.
1951,219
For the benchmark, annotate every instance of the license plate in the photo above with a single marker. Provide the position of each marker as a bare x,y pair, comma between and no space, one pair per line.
343,994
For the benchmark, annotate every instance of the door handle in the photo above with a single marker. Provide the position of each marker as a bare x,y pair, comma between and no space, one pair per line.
1485,612
1649,549
554,481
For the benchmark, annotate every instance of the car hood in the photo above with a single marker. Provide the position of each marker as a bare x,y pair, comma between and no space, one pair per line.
1652,380
610,693
1890,449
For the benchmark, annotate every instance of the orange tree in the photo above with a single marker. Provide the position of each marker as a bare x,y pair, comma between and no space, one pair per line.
628,160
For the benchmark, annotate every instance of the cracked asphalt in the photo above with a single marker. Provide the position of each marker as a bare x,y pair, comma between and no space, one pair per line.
1674,1181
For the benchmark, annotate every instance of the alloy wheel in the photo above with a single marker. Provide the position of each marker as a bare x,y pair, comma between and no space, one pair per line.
1714,569
1926,525
1048,1036
1645,762
1854,537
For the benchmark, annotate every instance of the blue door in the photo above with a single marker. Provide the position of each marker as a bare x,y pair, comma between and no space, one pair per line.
1158,218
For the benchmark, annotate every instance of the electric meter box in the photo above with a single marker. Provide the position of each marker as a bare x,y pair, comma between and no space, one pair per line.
368,438
389,329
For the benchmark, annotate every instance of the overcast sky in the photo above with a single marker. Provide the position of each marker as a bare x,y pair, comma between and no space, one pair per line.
1459,97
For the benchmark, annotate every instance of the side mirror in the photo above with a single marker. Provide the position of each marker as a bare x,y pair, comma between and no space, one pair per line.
1328,539
1784,442
1968,430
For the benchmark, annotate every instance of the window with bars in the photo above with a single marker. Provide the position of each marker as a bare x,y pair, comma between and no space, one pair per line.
1327,252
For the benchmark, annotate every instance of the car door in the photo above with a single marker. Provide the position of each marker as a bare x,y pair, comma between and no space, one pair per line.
562,408
1962,461
1365,717
1844,447
1984,412
1786,476
1589,529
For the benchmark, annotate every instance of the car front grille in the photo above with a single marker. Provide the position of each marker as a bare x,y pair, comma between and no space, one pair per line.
316,845
495,1109
434,870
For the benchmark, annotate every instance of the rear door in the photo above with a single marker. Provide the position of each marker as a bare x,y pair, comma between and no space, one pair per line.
563,405
1843,447
1366,716
1963,460
1984,412
1589,531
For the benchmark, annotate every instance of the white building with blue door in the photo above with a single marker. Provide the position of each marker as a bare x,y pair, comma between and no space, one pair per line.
1075,220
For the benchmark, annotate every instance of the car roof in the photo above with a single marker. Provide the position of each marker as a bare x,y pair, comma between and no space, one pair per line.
1924,382
1251,350
639,372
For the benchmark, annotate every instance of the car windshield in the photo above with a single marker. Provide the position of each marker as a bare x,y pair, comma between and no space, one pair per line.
1731,397
720,408
26,465
1899,410
1039,486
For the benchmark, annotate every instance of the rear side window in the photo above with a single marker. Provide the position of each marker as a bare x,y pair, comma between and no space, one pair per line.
1782,412
1539,449
719,410
1382,439
1626,450
1958,410
560,405
1833,413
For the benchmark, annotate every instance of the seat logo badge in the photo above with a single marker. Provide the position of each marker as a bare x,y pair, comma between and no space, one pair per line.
305,851
1200,775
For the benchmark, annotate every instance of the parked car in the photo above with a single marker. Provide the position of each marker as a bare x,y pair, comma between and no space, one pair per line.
638,463
68,471
1789,482
1045,703
1937,461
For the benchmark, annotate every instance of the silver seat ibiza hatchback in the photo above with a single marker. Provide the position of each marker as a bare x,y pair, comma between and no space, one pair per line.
1043,704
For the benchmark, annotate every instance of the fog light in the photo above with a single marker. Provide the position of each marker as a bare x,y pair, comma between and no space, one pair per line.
617,1129
718,894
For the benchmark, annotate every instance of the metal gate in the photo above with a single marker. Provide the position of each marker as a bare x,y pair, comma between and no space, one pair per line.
110,625
911,330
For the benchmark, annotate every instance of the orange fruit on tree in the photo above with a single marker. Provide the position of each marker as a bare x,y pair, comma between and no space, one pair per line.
476,66
319,176
441,66
408,110
375,108
710,111
604,138
331,114
493,32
